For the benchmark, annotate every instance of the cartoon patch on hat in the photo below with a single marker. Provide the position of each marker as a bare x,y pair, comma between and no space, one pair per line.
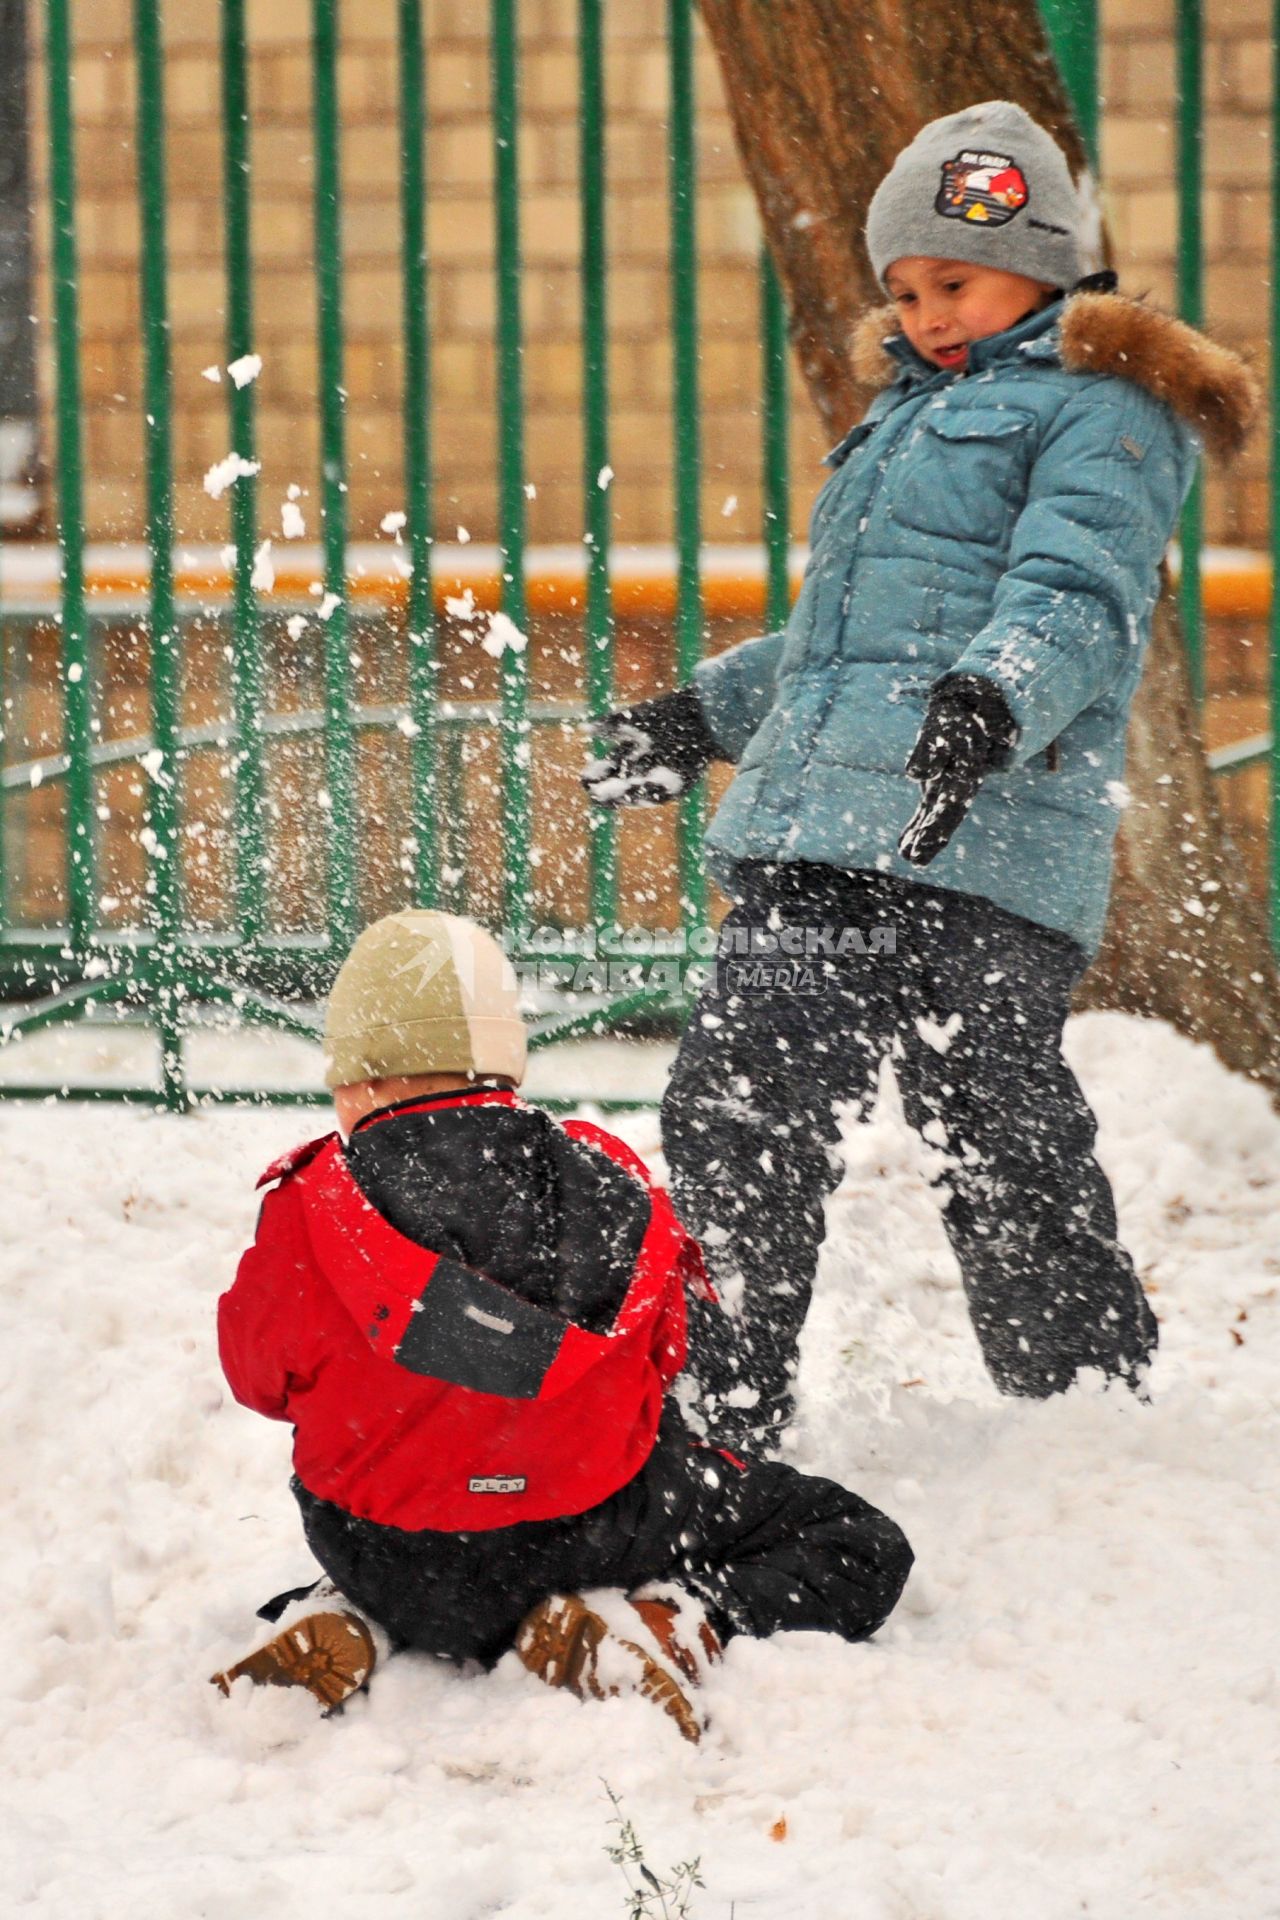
986,188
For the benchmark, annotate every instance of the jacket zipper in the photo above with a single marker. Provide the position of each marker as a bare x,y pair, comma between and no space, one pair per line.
847,589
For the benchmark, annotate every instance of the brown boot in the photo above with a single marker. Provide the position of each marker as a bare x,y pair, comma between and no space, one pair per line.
691,1645
561,1642
330,1654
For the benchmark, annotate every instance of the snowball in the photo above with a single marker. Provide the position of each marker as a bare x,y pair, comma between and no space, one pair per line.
263,577
936,1035
504,636
225,473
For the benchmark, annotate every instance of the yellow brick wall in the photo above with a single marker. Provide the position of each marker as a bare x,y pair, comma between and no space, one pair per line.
1138,166
462,302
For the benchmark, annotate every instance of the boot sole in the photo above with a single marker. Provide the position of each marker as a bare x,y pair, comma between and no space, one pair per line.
330,1654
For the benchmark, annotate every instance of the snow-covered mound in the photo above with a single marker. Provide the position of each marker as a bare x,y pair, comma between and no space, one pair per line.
1074,1711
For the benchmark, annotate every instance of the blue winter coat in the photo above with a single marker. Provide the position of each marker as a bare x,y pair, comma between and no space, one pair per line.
1008,522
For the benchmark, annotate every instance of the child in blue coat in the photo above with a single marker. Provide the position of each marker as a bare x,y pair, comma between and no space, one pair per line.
930,762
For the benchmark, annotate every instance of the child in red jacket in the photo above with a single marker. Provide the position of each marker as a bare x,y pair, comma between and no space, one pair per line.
471,1316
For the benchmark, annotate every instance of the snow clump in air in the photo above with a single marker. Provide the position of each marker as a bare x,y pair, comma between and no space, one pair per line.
263,577
504,636
224,473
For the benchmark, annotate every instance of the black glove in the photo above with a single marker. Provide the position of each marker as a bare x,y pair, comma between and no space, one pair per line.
654,751
968,731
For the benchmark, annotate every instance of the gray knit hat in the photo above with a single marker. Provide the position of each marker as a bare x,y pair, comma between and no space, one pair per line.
987,185
423,992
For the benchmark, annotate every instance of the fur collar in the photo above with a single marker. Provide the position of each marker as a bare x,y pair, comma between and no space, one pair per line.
1207,384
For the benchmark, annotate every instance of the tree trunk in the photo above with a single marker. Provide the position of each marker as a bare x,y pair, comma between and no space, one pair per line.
823,95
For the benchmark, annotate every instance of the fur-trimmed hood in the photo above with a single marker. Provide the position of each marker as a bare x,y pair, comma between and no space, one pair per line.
1208,385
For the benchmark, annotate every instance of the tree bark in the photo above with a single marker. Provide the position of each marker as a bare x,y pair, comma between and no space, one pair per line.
823,94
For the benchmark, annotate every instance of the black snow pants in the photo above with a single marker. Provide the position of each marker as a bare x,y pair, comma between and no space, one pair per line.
765,1548
969,1001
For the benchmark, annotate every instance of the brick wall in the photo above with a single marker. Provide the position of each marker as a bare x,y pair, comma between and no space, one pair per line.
462,282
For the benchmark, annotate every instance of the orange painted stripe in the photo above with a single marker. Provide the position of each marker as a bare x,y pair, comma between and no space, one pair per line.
1234,589
1239,592
723,595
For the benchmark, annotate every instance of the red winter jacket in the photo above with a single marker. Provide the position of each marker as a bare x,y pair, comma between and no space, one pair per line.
423,1392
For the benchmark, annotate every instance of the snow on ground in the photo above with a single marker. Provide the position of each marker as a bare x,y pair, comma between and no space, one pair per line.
1074,1711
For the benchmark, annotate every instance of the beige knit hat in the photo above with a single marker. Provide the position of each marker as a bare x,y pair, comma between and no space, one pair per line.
423,992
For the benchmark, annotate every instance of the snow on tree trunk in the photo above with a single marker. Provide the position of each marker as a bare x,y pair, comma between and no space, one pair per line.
823,94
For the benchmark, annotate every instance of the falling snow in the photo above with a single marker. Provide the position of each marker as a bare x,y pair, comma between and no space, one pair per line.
246,369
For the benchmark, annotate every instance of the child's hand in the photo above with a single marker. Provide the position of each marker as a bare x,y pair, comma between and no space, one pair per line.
968,730
655,751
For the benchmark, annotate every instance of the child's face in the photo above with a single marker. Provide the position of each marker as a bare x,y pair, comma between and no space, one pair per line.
943,305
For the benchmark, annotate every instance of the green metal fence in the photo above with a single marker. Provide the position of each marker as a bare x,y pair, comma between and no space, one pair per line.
1074,29
162,966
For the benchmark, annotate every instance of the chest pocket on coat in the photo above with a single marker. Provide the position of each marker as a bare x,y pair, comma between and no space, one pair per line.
962,473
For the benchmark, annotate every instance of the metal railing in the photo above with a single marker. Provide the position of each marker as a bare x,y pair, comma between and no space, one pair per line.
163,965
1074,28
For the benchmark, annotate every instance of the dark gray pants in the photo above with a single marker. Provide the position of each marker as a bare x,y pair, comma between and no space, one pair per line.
749,1127
764,1547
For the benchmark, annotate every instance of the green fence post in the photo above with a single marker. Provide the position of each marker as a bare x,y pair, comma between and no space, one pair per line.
420,619
597,632
1275,476
76,694
1190,61
165,851
514,734
4,755
1072,26
247,671
682,157
339,746
453,813
775,410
